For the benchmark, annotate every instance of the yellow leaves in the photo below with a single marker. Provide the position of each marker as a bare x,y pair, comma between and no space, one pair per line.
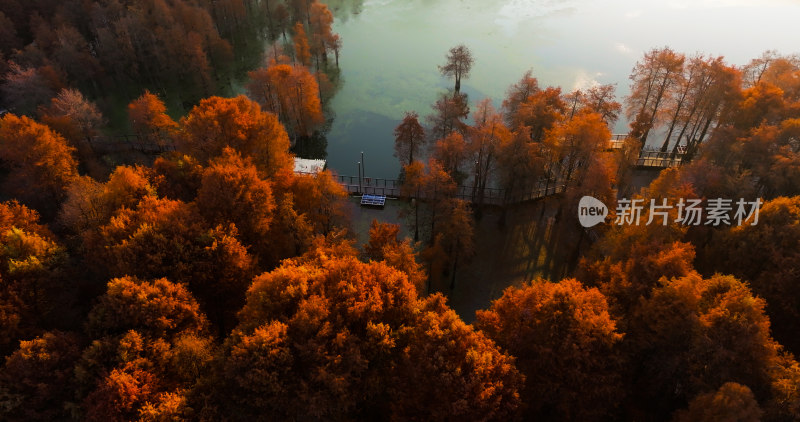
27,253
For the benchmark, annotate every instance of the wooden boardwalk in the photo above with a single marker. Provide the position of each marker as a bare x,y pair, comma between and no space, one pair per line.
649,158
124,143
658,159
491,196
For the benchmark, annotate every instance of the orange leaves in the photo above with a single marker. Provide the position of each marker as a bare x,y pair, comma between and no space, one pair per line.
384,245
159,309
565,343
731,402
38,375
409,138
335,338
148,115
701,333
238,123
291,92
231,191
319,197
301,49
39,160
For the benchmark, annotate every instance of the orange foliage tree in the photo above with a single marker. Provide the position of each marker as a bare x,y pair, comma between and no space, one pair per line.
39,162
565,343
343,339
238,123
409,138
385,245
693,335
766,255
167,238
148,117
38,378
302,51
291,92
232,192
149,346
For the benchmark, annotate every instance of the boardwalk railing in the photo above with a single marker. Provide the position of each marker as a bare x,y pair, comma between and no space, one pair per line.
658,159
123,143
491,196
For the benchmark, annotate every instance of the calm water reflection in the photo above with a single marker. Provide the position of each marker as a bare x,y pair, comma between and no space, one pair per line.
392,47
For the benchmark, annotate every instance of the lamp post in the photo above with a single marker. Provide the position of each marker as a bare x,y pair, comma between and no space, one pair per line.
359,177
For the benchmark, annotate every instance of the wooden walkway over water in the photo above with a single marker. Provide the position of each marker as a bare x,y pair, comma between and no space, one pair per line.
649,158
491,196
125,143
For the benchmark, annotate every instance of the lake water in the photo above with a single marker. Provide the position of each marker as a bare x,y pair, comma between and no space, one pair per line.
392,49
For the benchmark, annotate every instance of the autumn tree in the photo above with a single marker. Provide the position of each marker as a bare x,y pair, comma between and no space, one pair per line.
520,165
26,88
71,108
488,133
456,235
177,176
629,260
345,339
231,192
148,117
33,273
576,142
321,199
652,80
566,344
754,70
459,63
601,99
409,138
37,378
149,347
540,111
769,267
290,234
238,123
39,162
90,204
449,111
385,245
413,180
302,51
291,92
693,335
322,36
731,402
167,238
436,187
451,151
517,94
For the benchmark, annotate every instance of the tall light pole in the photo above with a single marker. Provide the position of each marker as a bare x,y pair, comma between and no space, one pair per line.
359,177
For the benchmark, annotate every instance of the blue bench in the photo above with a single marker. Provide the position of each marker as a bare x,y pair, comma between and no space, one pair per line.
373,200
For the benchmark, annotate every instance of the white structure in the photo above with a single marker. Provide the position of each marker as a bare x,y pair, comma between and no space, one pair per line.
306,166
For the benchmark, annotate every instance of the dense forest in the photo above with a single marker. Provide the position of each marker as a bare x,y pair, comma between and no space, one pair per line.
209,281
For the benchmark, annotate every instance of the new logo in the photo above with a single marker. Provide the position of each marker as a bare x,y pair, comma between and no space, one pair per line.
591,211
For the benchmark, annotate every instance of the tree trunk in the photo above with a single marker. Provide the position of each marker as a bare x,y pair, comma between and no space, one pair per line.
455,265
